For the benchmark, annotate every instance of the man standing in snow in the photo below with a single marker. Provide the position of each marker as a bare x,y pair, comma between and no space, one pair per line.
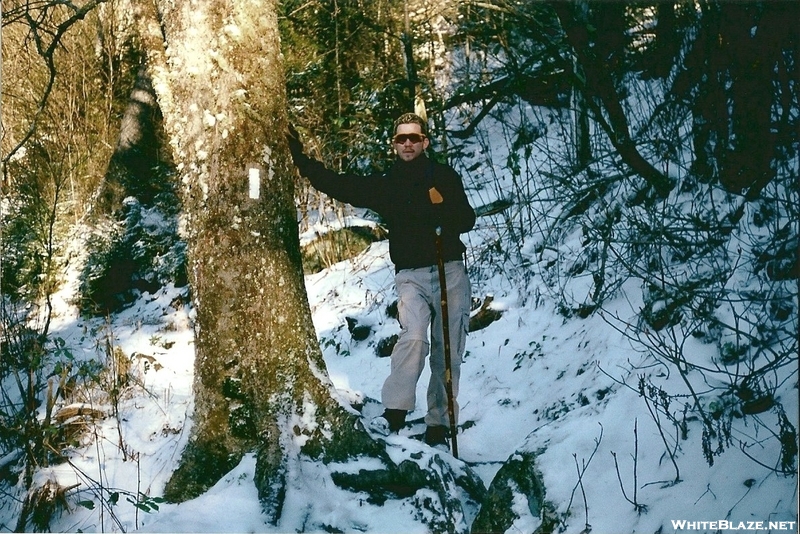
414,197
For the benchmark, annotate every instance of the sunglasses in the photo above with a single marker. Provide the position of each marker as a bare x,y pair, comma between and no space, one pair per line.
415,138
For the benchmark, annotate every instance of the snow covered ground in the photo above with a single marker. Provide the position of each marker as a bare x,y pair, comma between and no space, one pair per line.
531,381
564,388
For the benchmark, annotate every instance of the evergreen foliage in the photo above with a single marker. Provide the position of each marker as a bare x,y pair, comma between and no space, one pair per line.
24,260
142,252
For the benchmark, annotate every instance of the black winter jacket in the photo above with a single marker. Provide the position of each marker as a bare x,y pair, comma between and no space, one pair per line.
400,196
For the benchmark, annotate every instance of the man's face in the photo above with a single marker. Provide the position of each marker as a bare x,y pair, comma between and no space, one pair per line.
409,141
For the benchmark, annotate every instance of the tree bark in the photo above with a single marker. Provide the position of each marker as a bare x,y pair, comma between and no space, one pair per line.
667,40
132,170
260,381
580,112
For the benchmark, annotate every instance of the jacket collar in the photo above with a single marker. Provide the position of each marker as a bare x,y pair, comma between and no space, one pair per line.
416,167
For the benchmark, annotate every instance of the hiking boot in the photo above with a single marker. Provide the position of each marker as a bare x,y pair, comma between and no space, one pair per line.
390,422
436,436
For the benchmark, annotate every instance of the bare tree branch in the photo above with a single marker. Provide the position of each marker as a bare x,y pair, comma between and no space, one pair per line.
47,39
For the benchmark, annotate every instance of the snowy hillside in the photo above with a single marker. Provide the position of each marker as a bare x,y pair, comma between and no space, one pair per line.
565,390
635,171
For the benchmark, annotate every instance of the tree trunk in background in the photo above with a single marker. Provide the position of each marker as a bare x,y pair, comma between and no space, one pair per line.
258,369
133,169
408,53
667,40
736,81
580,112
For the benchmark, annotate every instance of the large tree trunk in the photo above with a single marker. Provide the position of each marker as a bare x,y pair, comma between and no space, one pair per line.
259,369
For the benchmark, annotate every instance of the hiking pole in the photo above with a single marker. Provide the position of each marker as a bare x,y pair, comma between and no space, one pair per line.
448,367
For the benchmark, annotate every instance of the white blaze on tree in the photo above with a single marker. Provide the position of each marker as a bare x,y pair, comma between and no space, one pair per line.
260,382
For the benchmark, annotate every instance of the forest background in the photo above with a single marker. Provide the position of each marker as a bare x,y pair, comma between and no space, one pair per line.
616,148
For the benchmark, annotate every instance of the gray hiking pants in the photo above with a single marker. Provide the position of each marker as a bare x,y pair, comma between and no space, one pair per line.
419,309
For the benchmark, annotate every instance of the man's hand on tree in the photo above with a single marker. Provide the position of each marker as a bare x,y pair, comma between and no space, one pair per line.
293,138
